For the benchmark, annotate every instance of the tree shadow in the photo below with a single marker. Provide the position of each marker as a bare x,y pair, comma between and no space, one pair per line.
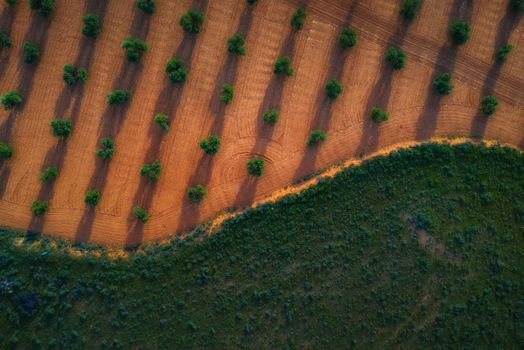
6,25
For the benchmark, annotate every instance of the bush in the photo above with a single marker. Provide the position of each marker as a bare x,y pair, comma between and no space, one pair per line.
151,170
135,48
315,137
251,2
283,65
192,21
118,96
11,2
333,89
107,149
409,9
489,105
298,18
347,38
176,70
141,214
5,41
92,197
227,93
396,57
6,151
255,166
211,145
235,44
11,99
91,25
31,52
517,5
459,32
49,174
271,116
196,193
39,207
61,127
73,74
162,120
43,7
442,83
148,6
379,115
503,52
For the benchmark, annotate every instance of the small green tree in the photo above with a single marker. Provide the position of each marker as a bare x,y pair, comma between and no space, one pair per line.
409,9
235,44
31,52
92,197
442,83
5,41
283,66
196,193
333,89
211,145
298,18
11,99
227,93
39,207
176,70
118,96
315,137
92,25
6,151
148,6
255,166
134,48
141,214
271,116
49,174
73,74
43,7
459,32
489,105
396,58
191,21
61,127
151,170
517,5
379,115
503,52
108,148
347,38
162,120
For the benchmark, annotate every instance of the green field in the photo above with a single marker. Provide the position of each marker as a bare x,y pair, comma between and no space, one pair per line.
419,249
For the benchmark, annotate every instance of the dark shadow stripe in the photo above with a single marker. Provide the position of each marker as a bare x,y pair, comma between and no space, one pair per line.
6,25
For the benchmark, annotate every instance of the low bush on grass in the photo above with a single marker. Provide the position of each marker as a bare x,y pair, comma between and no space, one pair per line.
379,115
176,70
92,27
39,207
283,66
148,6
396,58
315,137
196,193
151,170
271,116
347,38
409,9
73,74
442,83
11,99
118,96
31,52
162,120
134,48
141,214
192,21
5,41
298,18
459,32
255,166
333,89
92,197
49,174
226,95
6,151
43,7
211,145
107,150
489,105
61,127
503,52
235,44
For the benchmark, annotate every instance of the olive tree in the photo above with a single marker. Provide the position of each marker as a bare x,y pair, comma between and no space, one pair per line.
442,83
379,115
92,197
283,66
134,48
333,89
176,70
191,21
162,120
5,41
6,151
49,174
235,44
226,95
141,214
298,18
489,105
409,9
396,58
43,7
347,38
271,116
151,170
503,52
211,145
73,74
39,207
315,137
118,96
196,193
92,25
11,99
31,52
107,150
61,127
459,32
255,166
148,6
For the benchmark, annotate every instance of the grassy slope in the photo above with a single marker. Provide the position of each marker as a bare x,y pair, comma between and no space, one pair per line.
340,265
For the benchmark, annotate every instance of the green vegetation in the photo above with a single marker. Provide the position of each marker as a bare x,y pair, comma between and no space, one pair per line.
489,105
176,70
503,52
283,66
196,193
347,38
43,7
11,2
11,99
5,41
251,2
31,52
151,170
108,148
255,166
409,9
92,25
442,83
141,214
396,58
148,6
92,197
517,5
162,120
379,115
49,174
226,95
192,21
134,48
315,137
271,116
333,89
118,96
6,151
459,32
73,74
39,207
298,18
61,127
211,145
235,44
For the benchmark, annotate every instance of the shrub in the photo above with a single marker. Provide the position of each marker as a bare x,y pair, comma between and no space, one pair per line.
211,145
61,127
135,48
298,18
6,151
176,70
517,5
141,214
49,174
91,25
333,89
151,170
396,57
11,99
118,96
503,52
255,166
315,137
39,207
347,38
379,115
227,93
5,41
162,119
251,2
43,7
73,74
271,116
92,197
31,52
196,193
459,32
409,9
442,83
192,21
235,44
283,65
11,2
489,105
107,149
148,6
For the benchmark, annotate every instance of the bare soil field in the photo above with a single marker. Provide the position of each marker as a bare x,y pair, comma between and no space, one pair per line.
195,111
